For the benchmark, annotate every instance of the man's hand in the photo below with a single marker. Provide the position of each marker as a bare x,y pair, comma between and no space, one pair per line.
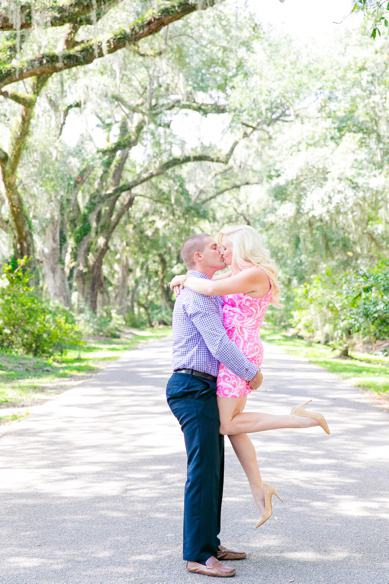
256,381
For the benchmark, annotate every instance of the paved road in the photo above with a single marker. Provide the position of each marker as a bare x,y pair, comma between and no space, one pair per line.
92,484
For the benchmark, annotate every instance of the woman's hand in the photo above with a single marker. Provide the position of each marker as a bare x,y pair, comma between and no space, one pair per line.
178,281
177,284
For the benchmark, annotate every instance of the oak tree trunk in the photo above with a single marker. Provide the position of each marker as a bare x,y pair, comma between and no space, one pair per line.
53,258
122,290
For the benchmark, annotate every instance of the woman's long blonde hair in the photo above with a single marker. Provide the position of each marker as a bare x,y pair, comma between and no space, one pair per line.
247,250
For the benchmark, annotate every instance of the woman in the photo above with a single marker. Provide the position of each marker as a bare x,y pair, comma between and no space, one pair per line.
247,289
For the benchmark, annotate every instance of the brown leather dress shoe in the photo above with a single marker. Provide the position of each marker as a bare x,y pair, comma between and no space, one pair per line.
225,554
212,568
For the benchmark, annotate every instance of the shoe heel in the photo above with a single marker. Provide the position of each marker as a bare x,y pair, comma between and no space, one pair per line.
269,491
299,411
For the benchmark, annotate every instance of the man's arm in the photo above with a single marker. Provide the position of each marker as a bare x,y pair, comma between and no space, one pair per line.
202,312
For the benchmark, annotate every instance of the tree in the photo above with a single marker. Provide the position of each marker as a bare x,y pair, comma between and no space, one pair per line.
72,19
376,13
136,103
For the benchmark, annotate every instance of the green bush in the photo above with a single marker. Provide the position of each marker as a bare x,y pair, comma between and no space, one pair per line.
316,309
159,317
366,296
135,320
281,317
162,317
335,307
29,323
107,323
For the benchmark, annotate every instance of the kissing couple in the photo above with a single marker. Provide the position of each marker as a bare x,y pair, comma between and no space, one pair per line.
217,353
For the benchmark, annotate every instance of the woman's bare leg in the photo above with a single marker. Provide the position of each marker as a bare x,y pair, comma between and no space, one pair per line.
245,451
233,421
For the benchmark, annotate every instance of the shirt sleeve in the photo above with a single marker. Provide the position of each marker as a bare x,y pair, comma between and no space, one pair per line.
203,313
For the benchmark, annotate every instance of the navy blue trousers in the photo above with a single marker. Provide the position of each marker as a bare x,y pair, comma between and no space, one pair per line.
193,402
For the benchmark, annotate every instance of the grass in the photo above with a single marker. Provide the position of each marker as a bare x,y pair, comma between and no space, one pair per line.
366,370
27,380
13,417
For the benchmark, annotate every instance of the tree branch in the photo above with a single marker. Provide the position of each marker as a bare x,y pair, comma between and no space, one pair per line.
3,157
65,115
210,180
152,22
4,225
135,49
128,141
173,163
241,214
201,108
374,239
57,15
283,115
229,188
19,136
118,172
179,161
69,40
24,100
113,224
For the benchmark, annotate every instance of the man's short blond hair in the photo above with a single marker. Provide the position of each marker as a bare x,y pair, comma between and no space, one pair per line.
191,246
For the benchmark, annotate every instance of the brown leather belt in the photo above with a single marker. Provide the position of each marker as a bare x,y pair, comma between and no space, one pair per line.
196,373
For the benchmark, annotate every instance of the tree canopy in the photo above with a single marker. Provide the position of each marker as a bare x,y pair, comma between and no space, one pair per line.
126,126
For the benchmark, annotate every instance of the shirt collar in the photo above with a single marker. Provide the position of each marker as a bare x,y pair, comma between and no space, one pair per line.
197,274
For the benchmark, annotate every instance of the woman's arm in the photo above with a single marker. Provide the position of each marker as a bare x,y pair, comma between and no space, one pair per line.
250,281
179,280
222,276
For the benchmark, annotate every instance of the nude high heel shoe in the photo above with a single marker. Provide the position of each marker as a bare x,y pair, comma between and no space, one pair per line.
268,491
299,411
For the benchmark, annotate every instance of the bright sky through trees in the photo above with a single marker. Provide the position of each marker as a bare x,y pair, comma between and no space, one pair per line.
306,19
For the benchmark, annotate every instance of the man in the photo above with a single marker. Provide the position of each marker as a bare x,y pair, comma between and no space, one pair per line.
200,343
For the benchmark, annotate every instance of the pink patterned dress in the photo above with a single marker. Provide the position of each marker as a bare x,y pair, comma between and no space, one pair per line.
242,317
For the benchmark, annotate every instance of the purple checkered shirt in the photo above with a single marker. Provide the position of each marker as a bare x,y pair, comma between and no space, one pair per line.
200,341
